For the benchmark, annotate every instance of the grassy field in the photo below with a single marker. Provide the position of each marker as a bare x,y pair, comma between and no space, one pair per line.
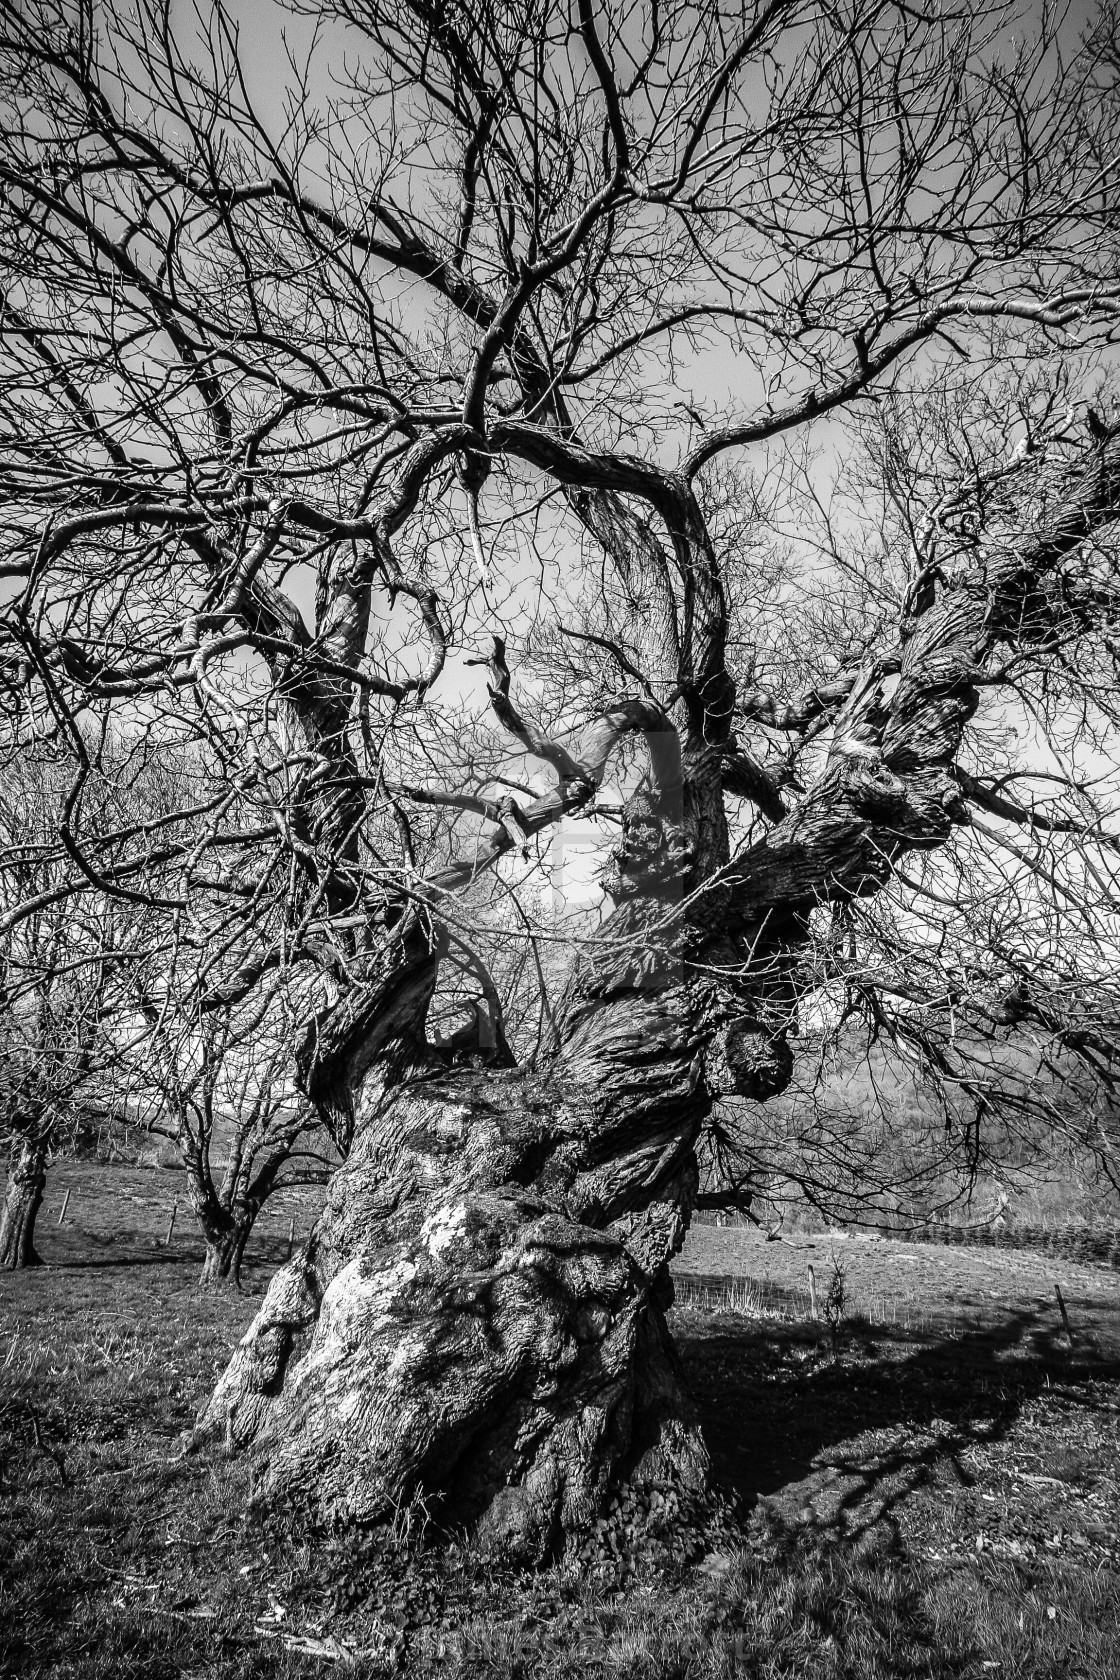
116,1214
931,1492
904,1285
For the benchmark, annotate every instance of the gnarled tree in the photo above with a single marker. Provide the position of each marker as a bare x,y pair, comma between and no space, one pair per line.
285,388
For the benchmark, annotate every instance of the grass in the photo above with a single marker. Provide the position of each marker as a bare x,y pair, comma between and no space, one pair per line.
914,1502
123,1212
750,1298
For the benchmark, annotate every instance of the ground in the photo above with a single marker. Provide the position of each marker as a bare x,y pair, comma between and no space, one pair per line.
932,1490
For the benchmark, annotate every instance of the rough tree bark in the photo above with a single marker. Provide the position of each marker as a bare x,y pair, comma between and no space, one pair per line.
490,1265
223,1233
225,1252
27,1178
480,1310
227,1216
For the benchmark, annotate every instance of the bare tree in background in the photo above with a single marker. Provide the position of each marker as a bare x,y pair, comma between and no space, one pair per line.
100,1015
60,984
50,1040
510,328
217,1085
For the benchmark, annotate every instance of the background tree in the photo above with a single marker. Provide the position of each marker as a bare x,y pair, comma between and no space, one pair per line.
60,987
304,395
217,1085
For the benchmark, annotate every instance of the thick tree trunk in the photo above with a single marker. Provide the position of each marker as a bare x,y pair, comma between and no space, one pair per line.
478,1314
225,1252
225,1220
27,1178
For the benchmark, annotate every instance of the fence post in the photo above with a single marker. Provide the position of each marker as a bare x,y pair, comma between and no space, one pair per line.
171,1225
1065,1315
813,1292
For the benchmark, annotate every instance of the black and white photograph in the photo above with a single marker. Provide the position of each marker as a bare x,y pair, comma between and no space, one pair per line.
560,839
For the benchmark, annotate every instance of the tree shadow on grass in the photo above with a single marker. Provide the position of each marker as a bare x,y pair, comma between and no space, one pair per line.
837,1443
